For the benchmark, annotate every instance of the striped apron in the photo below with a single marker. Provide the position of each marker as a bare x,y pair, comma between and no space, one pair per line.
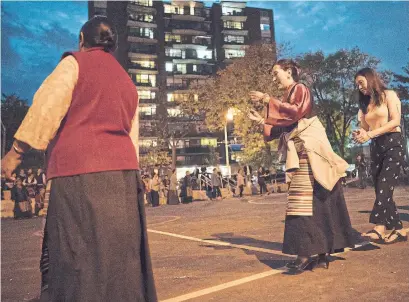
300,192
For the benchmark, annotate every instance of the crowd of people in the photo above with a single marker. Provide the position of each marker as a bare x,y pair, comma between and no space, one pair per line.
95,245
26,187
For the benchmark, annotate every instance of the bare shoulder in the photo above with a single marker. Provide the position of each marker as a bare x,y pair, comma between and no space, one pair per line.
391,96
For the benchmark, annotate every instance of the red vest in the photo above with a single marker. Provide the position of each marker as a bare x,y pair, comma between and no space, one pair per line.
94,135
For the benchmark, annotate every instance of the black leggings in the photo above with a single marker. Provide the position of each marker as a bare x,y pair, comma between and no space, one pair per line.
387,158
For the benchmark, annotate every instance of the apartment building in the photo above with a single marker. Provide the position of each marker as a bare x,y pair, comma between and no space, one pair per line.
167,46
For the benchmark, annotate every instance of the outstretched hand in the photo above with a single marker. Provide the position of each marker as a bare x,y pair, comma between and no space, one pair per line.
255,116
256,95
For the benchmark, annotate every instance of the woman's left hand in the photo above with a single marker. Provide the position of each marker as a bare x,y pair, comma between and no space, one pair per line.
255,116
361,136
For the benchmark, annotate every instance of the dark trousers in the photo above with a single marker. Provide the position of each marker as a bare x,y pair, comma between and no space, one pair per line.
387,159
216,192
362,176
263,187
155,198
241,187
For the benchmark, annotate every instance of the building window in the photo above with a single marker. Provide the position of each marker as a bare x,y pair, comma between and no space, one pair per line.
142,2
231,11
264,13
146,94
169,66
143,64
141,17
148,142
174,112
234,53
143,32
175,53
100,11
233,24
204,54
234,39
265,26
147,110
181,68
148,79
194,68
206,141
172,38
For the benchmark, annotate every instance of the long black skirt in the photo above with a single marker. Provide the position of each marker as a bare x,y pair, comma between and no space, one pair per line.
329,228
173,198
97,240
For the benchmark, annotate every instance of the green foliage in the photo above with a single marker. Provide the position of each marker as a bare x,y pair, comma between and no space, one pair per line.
331,78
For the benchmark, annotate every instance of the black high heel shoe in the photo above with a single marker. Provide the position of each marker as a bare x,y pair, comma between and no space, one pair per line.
323,261
299,266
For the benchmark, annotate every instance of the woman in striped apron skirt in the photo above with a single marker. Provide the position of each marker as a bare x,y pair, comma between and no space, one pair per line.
317,220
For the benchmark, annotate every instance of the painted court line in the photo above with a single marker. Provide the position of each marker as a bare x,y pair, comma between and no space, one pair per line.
215,242
223,286
237,282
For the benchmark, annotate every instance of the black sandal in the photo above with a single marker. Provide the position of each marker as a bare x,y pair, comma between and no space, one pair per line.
399,237
380,238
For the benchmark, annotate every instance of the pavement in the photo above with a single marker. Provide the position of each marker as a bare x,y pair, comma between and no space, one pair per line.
230,250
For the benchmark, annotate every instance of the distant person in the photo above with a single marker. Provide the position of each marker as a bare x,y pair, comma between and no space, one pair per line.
173,198
21,198
216,184
361,167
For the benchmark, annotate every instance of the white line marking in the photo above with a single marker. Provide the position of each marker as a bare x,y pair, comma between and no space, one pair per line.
215,242
166,221
237,282
223,286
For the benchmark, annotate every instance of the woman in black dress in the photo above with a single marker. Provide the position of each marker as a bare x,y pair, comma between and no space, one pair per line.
317,220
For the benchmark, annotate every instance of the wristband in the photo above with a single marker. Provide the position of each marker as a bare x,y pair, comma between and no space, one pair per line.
17,150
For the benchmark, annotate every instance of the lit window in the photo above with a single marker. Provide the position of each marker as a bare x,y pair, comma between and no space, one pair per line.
173,112
169,66
265,26
147,110
234,53
194,68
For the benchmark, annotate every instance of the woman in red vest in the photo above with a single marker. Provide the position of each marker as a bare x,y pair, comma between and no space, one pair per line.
85,116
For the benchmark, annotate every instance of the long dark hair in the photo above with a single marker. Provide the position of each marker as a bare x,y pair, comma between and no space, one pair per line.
287,64
375,87
99,32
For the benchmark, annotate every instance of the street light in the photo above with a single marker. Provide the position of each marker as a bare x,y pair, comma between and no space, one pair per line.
229,117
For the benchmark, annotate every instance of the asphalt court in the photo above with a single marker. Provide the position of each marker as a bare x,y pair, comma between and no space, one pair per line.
210,248
230,250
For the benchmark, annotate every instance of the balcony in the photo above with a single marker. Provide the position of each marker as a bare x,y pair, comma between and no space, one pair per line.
193,150
148,117
148,3
190,41
143,84
148,101
234,13
178,86
178,24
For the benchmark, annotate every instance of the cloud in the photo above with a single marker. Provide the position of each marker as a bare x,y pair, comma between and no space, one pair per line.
31,48
334,22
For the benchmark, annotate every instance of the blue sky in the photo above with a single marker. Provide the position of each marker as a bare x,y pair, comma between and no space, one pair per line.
35,34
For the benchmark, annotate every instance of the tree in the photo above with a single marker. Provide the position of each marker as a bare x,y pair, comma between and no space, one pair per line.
175,128
331,79
230,89
13,111
401,85
155,157
213,159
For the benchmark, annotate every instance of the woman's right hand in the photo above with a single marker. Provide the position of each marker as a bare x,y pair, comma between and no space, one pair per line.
256,95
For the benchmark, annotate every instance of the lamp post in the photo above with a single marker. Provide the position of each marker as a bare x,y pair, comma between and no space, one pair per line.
229,117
